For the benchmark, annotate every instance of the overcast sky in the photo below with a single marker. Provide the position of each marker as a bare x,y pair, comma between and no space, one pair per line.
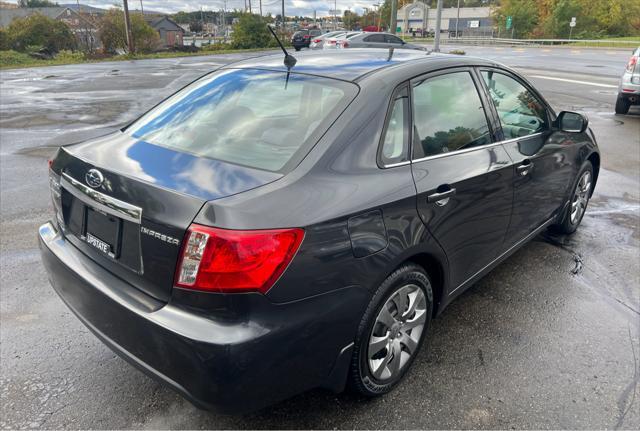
292,7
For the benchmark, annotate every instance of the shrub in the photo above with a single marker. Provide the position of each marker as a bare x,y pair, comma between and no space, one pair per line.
251,32
39,30
14,58
113,36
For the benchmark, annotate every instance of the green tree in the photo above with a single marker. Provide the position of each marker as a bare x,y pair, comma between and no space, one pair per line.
251,32
113,36
39,31
350,19
4,40
36,3
524,15
557,24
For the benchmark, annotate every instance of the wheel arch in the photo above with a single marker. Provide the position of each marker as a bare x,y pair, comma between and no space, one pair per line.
436,271
594,158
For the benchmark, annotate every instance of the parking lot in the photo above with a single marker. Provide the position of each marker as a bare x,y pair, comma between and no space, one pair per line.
549,339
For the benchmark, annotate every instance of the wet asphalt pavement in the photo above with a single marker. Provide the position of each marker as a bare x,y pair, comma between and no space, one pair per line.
549,339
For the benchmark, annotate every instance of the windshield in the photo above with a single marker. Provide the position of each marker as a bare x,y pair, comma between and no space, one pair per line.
248,117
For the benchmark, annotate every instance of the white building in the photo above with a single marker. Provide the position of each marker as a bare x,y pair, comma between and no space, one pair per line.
419,16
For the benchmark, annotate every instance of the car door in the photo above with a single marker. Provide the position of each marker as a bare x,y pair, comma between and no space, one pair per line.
542,166
464,180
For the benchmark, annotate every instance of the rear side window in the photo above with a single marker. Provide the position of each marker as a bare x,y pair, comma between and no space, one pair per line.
448,115
521,113
395,142
253,118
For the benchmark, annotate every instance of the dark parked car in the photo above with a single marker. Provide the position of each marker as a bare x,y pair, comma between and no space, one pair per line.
302,38
262,233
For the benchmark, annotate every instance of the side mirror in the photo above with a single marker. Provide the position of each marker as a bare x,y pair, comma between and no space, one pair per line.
572,122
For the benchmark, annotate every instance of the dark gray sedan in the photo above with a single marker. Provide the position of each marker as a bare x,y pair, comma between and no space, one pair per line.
276,227
377,40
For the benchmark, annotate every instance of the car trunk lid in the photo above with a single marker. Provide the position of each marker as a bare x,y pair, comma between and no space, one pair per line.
127,203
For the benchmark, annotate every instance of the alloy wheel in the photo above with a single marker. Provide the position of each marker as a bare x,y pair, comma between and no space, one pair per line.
580,197
396,332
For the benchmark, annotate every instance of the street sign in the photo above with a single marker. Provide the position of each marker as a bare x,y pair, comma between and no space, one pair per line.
509,22
572,24
474,24
335,12
573,19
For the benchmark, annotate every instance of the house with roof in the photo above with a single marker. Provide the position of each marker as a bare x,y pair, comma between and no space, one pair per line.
171,34
83,26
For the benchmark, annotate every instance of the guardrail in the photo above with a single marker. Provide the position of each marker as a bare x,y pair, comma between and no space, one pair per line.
603,43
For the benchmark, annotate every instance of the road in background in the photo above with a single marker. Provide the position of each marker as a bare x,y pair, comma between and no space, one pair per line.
549,339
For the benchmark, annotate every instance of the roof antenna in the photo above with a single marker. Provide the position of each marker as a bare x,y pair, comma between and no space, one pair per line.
289,60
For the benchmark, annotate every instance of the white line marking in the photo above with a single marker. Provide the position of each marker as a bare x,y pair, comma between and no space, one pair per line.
595,84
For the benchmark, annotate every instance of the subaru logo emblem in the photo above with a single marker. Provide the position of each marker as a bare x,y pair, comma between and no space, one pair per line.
94,178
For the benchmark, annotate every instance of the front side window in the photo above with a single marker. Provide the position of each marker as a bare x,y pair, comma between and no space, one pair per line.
248,117
448,115
396,134
374,38
392,39
520,112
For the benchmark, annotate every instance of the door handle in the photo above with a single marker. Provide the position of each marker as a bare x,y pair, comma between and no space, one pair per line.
441,198
525,167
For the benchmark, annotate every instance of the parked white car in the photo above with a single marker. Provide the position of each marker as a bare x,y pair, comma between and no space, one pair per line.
318,42
629,89
332,42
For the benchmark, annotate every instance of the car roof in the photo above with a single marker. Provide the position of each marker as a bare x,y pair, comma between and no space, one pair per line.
354,64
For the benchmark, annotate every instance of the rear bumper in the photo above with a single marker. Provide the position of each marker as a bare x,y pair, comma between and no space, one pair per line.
237,358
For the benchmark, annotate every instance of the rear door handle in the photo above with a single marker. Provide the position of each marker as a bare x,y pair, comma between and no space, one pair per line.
442,198
525,167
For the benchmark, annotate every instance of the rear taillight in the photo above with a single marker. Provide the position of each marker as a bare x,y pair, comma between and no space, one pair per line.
307,36
221,260
632,63
316,40
344,44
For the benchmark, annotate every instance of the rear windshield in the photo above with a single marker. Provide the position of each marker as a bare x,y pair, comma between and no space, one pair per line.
261,119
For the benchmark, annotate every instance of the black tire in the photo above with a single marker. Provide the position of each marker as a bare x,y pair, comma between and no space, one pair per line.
567,225
297,48
361,379
622,105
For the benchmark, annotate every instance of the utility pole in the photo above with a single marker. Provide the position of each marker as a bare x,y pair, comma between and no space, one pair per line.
335,14
224,22
436,44
394,17
457,19
141,8
283,20
260,7
127,27
249,6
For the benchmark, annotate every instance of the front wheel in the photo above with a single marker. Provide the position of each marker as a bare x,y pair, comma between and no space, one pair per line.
579,201
391,331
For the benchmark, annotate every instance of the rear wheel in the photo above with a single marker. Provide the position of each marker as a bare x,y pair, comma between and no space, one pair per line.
297,48
622,105
579,201
391,331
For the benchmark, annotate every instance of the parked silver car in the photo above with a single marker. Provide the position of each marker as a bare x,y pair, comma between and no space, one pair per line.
376,40
318,42
629,89
332,42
